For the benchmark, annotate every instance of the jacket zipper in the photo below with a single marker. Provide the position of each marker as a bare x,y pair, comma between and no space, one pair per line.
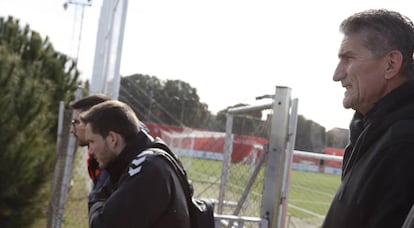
355,151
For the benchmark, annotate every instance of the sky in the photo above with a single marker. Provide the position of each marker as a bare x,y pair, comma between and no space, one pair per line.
231,51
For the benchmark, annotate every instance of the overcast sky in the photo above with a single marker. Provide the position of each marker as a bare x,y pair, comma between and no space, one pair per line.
231,51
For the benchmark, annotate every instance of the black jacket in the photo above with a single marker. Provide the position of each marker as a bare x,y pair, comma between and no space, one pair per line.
377,188
143,191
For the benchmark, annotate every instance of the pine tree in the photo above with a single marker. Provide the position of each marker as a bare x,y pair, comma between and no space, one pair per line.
33,79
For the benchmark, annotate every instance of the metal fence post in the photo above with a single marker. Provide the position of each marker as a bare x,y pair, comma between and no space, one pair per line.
293,119
66,146
272,189
228,148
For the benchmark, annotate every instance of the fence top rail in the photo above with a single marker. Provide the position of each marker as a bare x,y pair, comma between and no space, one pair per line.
238,218
249,108
318,155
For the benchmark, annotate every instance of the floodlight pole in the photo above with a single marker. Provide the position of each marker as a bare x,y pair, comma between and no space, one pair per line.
83,4
106,76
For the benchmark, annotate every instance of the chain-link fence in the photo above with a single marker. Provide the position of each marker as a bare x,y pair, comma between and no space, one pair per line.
314,178
62,174
313,181
202,156
237,187
204,169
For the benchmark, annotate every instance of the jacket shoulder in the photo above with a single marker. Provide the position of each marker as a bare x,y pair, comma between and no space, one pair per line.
147,159
403,129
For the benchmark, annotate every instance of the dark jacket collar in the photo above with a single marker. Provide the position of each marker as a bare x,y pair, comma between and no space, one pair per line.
135,145
393,101
397,105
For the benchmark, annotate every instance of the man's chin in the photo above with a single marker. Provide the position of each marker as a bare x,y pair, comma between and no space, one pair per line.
346,104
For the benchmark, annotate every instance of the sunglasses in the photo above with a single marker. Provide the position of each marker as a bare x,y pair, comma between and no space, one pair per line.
74,122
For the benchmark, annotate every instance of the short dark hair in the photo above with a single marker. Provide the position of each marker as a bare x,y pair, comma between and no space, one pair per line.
87,102
386,31
113,116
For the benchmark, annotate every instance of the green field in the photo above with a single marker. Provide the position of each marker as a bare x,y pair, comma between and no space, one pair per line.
308,199
309,193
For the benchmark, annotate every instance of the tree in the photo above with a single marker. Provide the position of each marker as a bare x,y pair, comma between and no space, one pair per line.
337,137
182,101
175,102
141,92
249,123
171,102
33,79
310,136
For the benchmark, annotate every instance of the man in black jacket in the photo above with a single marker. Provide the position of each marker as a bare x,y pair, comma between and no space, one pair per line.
143,189
376,69
78,130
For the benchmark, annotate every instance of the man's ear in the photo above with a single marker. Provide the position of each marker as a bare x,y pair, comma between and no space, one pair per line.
113,139
394,61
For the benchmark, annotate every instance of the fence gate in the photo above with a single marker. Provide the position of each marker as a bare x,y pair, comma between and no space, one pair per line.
276,157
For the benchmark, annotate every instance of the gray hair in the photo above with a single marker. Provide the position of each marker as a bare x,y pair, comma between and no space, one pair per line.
385,31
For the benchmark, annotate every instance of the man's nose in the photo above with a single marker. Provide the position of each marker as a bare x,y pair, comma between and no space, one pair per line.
339,73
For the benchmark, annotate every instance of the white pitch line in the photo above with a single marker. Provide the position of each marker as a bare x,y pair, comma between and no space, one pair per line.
306,211
312,190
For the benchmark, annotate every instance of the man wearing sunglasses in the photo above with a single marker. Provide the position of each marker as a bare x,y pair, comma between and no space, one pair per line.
78,128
